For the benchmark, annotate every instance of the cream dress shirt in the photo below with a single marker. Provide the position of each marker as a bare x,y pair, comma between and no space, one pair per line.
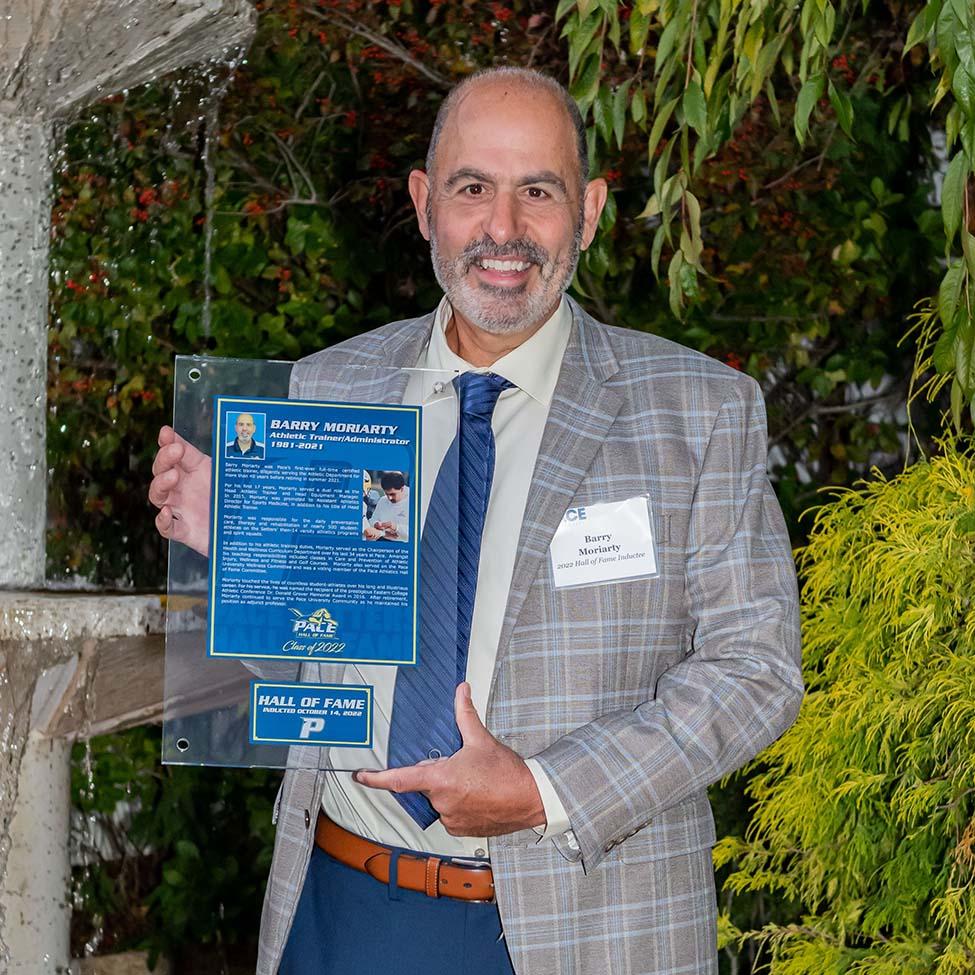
518,422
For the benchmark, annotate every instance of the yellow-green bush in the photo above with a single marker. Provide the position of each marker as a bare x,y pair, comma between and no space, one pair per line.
865,810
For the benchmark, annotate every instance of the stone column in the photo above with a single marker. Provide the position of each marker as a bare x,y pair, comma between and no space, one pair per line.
25,218
56,56
36,901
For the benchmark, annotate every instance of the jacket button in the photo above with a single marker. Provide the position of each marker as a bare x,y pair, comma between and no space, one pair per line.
307,819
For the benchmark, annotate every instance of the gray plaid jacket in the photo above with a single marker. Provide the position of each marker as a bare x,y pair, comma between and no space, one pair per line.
634,696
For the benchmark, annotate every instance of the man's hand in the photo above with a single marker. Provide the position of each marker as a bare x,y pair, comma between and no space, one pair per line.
180,489
485,789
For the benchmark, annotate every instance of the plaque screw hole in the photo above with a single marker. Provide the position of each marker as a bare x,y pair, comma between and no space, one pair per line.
434,753
195,375
182,745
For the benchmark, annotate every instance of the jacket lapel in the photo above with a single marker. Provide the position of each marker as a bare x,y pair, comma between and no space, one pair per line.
583,409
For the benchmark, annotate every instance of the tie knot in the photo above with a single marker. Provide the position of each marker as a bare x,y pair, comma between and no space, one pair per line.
479,392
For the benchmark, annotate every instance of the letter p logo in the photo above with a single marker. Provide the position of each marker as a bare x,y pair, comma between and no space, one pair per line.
310,726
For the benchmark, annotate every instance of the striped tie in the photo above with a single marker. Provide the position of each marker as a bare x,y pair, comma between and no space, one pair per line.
423,724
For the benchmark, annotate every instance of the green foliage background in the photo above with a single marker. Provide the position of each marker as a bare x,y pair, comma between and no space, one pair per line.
802,268
865,810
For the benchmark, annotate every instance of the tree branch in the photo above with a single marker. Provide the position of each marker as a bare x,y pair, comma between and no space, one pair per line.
380,40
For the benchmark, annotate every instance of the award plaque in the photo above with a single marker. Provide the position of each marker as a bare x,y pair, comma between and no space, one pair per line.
315,490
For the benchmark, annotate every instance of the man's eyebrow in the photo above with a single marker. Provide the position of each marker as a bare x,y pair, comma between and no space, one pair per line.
545,176
529,179
466,174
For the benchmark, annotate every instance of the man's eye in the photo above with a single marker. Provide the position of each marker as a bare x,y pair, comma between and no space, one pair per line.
536,193
474,189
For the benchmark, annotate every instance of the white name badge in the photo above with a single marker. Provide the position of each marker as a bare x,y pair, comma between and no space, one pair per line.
604,543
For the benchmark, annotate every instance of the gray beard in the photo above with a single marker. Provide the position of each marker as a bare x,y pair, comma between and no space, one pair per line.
498,310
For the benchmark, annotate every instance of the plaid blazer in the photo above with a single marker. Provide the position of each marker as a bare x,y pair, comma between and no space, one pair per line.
634,696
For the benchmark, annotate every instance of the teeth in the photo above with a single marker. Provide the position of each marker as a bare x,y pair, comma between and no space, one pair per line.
491,265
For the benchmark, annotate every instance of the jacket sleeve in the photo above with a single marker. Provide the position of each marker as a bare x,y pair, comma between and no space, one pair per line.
740,685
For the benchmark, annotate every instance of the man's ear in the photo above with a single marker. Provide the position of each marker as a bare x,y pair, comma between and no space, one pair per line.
419,184
592,206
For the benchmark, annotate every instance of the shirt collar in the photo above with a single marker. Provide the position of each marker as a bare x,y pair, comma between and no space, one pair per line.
533,366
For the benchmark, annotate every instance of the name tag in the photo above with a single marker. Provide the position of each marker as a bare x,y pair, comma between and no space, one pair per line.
604,543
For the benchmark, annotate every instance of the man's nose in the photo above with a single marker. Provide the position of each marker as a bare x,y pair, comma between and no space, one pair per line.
502,221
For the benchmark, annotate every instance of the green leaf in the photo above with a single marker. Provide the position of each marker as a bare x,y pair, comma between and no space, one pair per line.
825,24
296,234
666,44
843,107
607,219
922,25
809,94
943,356
620,99
602,115
564,7
676,293
657,129
964,352
580,39
957,403
639,29
638,107
656,248
952,194
614,27
962,10
772,100
695,107
949,292
651,209
963,86
586,86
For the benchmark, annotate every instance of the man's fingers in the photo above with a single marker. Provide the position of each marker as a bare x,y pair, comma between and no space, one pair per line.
468,723
412,778
167,435
164,522
161,485
168,457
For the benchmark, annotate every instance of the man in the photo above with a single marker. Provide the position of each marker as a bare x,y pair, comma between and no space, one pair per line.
244,444
391,517
608,708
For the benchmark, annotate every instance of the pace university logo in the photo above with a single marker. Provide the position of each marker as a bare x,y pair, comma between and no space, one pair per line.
319,623
315,633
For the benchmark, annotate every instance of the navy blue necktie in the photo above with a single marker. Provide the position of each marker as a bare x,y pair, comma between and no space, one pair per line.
423,725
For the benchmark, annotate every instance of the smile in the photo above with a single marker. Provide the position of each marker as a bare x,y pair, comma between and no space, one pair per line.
492,264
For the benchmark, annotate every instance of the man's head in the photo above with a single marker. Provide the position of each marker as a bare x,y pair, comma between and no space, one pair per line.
505,201
393,485
245,428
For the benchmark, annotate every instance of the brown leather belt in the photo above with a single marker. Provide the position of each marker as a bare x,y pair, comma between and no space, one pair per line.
430,875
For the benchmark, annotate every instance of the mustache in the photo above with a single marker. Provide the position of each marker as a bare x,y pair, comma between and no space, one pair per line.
521,249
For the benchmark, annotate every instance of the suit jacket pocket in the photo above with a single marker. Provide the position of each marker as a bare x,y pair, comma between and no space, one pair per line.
682,829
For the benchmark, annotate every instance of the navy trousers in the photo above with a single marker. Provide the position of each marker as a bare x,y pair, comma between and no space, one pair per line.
348,923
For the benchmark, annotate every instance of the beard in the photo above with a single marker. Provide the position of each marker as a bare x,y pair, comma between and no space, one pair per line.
494,308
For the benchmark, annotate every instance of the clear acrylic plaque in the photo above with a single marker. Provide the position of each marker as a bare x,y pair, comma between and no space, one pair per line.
297,594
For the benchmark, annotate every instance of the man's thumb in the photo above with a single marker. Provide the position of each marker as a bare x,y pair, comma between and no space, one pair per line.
468,723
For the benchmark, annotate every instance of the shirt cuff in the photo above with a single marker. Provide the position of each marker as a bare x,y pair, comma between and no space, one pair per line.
557,819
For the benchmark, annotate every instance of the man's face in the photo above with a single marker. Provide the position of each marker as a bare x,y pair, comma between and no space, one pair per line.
504,210
244,427
394,494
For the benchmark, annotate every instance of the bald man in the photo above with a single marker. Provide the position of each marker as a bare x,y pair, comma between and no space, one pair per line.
244,444
570,832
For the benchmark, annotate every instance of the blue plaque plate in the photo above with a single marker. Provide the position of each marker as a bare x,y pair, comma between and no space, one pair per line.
315,522
311,714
